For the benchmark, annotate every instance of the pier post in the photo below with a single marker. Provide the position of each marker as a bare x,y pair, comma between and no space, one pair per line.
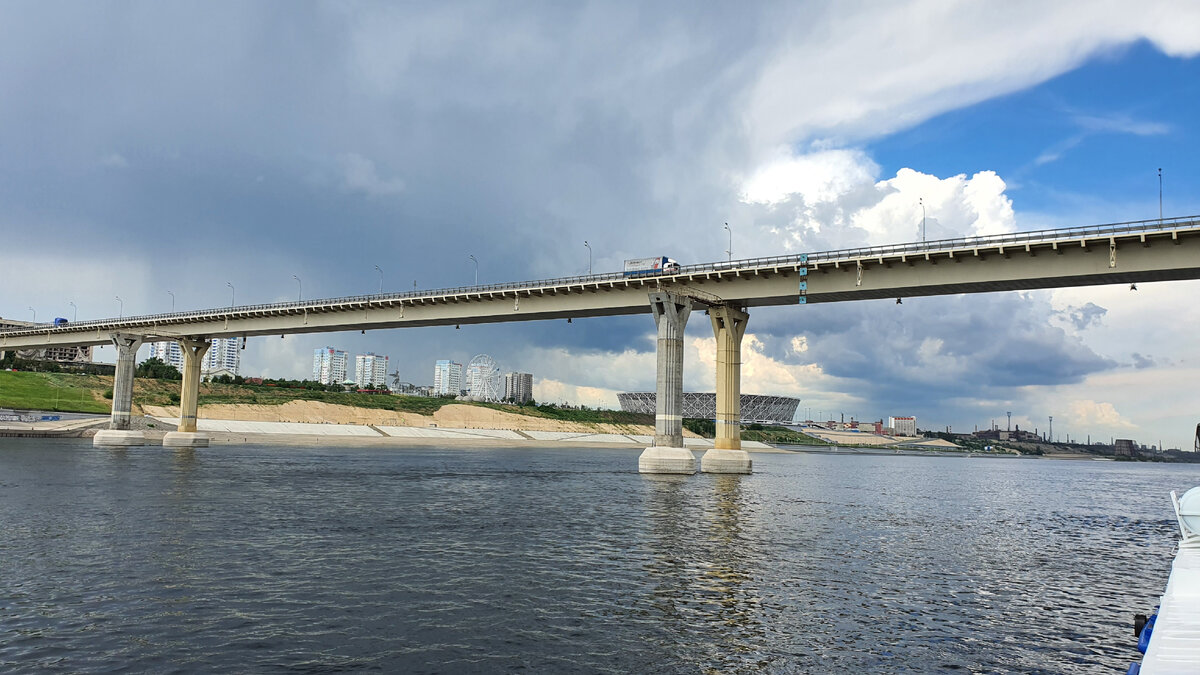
189,396
727,455
118,433
668,455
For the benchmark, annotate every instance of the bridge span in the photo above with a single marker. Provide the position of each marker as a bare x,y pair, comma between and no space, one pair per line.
1132,252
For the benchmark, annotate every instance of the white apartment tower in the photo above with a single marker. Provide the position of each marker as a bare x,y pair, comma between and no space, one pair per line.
518,387
168,352
370,370
447,378
222,357
329,365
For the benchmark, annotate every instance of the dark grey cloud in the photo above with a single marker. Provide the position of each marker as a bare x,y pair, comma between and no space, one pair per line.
1089,314
199,144
1140,361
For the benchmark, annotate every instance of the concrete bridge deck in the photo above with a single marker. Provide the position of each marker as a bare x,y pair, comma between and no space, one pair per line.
1156,250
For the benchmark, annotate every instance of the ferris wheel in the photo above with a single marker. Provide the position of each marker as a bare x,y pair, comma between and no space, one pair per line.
483,379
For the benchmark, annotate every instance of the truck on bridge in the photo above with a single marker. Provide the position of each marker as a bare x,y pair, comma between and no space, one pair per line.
650,267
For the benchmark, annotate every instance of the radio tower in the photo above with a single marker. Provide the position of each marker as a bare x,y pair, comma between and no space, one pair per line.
1010,420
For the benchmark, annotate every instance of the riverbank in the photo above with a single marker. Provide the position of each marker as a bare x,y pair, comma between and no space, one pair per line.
316,434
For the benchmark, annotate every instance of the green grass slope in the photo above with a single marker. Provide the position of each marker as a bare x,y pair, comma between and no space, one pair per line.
54,391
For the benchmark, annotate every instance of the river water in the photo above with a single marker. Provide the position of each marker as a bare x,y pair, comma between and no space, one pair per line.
425,560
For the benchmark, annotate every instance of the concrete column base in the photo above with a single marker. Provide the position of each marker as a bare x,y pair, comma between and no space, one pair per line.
118,438
667,460
726,461
185,439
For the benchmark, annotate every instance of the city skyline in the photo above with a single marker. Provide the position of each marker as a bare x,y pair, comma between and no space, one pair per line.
964,122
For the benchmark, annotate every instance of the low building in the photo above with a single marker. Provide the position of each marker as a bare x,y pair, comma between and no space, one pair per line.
1124,447
904,426
1003,435
57,354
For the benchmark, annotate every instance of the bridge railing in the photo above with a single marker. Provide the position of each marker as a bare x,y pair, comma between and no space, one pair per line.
1039,236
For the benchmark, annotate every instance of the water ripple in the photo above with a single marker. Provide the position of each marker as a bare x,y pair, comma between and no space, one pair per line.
440,560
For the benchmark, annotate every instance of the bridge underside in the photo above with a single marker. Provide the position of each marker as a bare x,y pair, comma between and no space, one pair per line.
1038,269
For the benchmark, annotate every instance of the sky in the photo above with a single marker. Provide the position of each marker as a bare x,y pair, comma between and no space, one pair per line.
216,149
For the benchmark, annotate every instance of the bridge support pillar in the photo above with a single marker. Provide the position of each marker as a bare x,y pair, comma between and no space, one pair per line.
668,455
186,436
727,455
118,433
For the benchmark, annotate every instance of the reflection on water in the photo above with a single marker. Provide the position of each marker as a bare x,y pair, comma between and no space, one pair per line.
451,560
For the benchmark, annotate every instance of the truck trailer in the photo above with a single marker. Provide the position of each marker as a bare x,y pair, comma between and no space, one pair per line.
650,267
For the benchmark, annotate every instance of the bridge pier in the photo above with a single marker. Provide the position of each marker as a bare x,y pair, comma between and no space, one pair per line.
186,435
727,455
668,455
118,433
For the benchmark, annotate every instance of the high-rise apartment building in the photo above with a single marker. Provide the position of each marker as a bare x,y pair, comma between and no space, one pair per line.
447,378
518,387
223,356
329,365
370,370
169,352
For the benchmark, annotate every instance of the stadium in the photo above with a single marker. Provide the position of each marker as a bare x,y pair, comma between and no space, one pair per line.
755,408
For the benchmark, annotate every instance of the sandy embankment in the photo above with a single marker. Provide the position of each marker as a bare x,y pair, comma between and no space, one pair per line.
453,416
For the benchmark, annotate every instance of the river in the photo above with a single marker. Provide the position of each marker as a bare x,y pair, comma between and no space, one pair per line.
450,560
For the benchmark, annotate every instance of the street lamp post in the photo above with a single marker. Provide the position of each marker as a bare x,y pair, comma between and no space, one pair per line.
729,252
121,308
299,288
474,260
172,294
75,316
921,201
232,293
1160,196
589,248
380,279
34,313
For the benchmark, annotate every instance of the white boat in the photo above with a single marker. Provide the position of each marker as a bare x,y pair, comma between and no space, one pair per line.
1170,639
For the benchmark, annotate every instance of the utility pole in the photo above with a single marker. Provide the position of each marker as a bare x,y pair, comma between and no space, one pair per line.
921,201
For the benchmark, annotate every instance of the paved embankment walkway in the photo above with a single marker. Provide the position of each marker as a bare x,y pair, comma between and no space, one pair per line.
41,423
432,433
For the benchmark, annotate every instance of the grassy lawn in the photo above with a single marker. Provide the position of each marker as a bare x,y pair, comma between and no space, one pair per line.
778,436
55,391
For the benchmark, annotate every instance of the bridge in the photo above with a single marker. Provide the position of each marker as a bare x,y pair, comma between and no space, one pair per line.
1131,252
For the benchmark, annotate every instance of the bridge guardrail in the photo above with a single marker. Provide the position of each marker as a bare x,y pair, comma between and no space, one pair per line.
1024,237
